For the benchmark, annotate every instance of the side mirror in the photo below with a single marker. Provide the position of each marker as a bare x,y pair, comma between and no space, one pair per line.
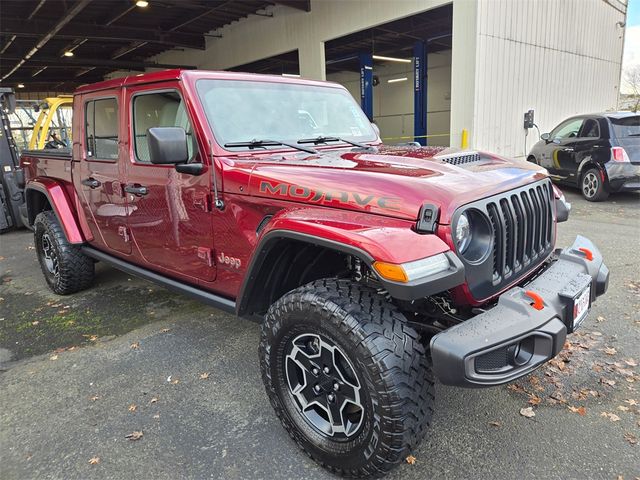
167,145
545,136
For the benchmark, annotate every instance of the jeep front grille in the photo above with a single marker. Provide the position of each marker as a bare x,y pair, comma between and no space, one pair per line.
522,224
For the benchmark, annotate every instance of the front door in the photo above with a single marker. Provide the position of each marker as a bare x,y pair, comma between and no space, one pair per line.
559,153
170,218
100,173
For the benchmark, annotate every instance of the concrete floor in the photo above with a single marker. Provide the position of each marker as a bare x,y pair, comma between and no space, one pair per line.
127,342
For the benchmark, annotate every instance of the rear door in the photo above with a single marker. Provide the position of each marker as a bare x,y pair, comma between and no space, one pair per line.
101,170
171,224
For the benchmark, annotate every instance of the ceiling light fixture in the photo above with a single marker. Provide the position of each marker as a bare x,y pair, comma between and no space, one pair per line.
292,75
21,85
142,3
396,80
391,59
68,53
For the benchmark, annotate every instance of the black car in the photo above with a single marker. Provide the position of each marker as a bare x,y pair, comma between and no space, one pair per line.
599,153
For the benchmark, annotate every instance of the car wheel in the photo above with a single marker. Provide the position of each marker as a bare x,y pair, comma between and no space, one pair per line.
65,268
348,378
592,186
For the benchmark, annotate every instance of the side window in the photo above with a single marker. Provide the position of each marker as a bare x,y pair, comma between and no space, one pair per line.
101,129
568,129
161,109
590,129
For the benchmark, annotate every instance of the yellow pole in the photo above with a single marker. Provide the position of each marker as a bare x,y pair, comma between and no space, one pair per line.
464,143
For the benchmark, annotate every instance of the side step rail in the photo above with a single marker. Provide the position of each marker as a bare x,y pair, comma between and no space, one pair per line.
174,285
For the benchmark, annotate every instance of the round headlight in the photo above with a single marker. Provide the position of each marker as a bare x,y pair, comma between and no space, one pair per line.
463,233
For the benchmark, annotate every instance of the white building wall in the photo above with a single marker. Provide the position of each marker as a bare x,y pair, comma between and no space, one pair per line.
558,57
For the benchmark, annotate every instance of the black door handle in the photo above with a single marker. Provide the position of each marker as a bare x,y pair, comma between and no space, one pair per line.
136,190
91,182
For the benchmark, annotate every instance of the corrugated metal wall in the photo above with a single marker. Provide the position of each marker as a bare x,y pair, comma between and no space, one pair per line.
558,57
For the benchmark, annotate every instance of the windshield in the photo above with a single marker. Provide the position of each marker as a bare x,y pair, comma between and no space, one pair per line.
241,111
626,126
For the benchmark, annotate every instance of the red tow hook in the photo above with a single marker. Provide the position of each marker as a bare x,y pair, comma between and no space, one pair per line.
587,253
538,302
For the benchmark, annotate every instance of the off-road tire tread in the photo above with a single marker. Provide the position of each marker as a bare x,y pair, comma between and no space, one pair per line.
76,269
403,377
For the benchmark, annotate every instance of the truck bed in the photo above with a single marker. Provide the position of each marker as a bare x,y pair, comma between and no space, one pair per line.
53,162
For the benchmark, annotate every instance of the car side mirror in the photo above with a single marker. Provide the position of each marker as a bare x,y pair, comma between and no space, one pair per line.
545,136
167,145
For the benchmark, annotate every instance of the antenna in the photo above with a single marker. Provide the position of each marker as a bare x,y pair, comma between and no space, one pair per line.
217,201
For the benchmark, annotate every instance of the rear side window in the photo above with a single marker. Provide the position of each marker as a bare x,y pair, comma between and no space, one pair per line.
626,127
158,109
101,127
590,129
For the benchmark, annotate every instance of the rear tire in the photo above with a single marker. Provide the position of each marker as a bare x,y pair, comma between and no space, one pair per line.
373,350
592,186
65,268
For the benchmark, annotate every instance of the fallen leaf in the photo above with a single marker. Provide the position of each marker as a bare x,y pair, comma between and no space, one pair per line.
535,400
610,351
153,400
134,435
165,330
600,319
611,416
94,460
631,438
527,412
156,416
579,410
622,408
495,424
605,381
411,459
94,398
53,357
35,323
133,407
631,402
631,362
135,345
93,338
175,381
204,376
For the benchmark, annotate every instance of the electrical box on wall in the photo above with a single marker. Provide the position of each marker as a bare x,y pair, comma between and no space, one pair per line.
528,119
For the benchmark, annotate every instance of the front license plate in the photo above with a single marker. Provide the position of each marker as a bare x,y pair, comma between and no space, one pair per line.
581,307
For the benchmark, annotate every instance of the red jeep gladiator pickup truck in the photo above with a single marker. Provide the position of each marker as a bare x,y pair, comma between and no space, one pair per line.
373,269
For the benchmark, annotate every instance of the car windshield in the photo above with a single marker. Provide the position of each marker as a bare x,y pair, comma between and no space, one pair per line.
626,126
243,111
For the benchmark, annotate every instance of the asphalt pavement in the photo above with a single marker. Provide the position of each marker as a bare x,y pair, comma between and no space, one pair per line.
80,373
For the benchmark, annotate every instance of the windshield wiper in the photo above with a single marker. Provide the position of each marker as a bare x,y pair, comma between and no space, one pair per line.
322,139
268,143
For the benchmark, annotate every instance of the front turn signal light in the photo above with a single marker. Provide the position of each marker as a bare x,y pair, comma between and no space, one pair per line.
390,271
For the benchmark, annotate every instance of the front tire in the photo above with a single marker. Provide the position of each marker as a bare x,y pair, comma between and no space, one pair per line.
592,186
65,268
348,378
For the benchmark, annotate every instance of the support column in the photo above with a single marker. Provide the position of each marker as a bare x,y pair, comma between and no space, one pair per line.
312,61
420,91
366,84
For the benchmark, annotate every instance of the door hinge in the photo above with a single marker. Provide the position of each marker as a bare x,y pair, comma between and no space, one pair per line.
203,201
124,233
206,254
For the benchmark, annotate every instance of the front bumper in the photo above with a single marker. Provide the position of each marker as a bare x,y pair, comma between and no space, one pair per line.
514,337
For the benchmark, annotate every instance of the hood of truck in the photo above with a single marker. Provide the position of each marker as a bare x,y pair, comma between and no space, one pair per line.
394,181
